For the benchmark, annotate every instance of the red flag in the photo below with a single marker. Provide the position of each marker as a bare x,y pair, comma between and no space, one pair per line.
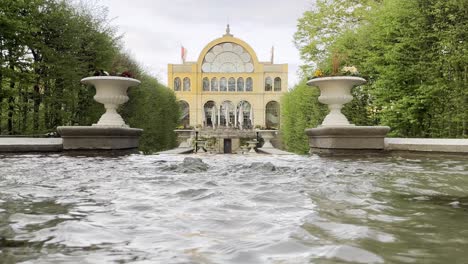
183,53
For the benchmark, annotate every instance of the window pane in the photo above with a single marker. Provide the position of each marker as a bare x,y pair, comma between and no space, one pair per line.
268,84
186,84
240,84
206,84
248,85
177,84
223,84
277,84
232,84
214,84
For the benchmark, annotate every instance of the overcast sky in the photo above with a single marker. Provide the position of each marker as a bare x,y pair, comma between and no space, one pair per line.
154,31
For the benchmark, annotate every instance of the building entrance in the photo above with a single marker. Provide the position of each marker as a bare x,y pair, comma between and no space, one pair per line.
227,146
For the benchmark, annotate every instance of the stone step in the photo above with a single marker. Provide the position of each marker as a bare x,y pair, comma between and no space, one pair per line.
24,144
448,145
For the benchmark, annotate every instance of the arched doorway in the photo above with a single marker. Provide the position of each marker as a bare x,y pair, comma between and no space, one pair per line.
227,114
185,114
272,115
244,115
209,114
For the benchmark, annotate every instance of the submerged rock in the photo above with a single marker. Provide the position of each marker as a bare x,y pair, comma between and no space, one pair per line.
263,166
189,165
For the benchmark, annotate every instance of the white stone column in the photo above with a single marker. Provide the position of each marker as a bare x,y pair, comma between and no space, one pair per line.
219,115
235,116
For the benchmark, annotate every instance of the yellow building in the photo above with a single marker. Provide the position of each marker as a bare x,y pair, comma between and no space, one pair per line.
226,78
228,87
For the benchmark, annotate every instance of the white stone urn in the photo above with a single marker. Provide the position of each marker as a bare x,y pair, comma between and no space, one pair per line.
252,145
111,91
267,135
335,92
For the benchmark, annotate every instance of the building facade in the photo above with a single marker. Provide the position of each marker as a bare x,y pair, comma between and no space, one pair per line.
228,87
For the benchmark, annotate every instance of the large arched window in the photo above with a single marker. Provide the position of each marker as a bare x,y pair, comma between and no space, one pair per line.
240,84
186,84
206,84
248,84
268,84
244,115
232,84
272,114
210,114
177,84
227,114
277,86
227,57
214,84
185,114
222,84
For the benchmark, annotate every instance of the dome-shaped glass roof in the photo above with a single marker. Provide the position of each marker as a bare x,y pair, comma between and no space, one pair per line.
227,57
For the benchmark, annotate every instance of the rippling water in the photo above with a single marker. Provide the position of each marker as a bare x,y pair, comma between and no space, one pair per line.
237,209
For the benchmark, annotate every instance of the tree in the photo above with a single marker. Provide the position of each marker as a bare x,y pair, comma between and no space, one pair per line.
300,110
319,28
413,55
45,51
46,48
154,108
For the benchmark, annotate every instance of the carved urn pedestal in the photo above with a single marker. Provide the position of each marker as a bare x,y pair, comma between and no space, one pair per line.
185,137
336,133
110,132
267,136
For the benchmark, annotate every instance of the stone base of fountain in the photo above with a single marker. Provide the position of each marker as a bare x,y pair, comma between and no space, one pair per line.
326,138
99,137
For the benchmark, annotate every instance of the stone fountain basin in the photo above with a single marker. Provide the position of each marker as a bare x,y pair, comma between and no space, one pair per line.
99,137
347,137
110,82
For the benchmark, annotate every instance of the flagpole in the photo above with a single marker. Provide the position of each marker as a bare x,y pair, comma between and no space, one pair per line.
272,54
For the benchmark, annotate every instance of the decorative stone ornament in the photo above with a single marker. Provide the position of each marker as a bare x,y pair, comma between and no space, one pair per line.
110,132
111,91
336,133
335,92
267,136
252,145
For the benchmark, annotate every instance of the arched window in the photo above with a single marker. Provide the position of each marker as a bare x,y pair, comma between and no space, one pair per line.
227,114
268,84
210,114
214,84
244,115
248,84
240,84
232,84
227,57
206,84
177,84
186,84
222,84
277,87
272,114
185,114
